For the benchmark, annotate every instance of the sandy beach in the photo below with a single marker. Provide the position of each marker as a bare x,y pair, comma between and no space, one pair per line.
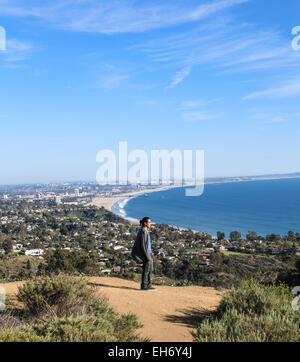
108,202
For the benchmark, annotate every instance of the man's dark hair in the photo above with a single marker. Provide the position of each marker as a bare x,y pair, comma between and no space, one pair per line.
144,220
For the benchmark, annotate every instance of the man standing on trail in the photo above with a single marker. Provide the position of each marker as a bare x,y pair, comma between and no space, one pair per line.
141,252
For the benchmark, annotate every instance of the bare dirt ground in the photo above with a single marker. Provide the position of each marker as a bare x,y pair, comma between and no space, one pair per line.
168,314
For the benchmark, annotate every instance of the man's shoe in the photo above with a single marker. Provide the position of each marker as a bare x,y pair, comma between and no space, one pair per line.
151,289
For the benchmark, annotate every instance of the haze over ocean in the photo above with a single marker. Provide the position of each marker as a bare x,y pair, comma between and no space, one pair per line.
266,206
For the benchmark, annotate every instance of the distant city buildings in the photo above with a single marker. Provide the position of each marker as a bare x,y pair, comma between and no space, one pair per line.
57,200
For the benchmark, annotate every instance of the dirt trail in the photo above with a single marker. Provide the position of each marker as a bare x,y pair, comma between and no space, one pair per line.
167,314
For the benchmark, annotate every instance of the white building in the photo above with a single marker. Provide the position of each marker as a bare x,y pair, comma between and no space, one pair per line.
57,200
106,271
34,252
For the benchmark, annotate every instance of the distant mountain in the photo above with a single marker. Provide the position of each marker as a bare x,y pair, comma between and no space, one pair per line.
255,177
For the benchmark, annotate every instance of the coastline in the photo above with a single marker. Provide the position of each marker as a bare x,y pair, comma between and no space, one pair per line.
109,202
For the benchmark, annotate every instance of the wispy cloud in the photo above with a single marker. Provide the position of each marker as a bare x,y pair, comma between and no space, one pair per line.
272,114
269,117
115,16
179,77
15,46
231,46
112,81
278,119
196,103
196,110
16,51
288,89
197,116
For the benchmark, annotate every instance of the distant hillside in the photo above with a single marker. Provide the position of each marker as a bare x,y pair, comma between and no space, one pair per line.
252,178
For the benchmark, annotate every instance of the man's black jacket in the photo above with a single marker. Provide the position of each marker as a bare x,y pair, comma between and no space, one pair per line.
140,249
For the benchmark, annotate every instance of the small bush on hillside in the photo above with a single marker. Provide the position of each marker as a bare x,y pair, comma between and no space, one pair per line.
291,272
9,320
71,262
84,328
61,295
252,313
65,309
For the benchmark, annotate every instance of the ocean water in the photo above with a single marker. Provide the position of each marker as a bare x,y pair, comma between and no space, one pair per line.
268,206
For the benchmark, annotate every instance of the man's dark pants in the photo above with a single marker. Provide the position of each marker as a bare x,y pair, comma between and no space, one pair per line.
147,274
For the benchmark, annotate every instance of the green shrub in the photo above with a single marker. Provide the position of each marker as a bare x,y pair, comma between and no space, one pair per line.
65,309
8,319
85,328
252,313
71,262
60,295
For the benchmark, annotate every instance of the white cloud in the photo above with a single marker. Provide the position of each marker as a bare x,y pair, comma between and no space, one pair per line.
269,118
289,89
278,119
224,45
17,46
16,51
179,77
196,103
195,110
114,16
111,81
196,116
271,115
193,104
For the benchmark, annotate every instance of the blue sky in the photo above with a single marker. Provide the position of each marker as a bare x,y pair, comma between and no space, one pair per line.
78,76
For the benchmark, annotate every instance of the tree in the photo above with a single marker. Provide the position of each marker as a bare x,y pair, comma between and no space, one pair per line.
273,237
181,252
7,246
28,265
221,235
297,264
70,262
36,244
216,258
252,235
133,263
291,236
28,268
235,236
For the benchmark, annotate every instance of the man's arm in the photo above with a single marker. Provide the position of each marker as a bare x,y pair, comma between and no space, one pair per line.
144,243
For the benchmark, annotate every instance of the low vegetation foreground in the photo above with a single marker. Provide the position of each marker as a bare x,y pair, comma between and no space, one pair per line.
62,308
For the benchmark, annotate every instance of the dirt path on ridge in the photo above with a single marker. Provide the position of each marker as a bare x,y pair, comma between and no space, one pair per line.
167,314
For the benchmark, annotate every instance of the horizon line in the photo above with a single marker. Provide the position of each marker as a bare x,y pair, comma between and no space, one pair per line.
131,184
